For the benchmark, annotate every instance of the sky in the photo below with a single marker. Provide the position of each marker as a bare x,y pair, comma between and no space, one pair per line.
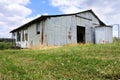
14,13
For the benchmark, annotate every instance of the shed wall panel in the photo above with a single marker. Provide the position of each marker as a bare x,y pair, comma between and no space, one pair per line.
34,39
103,35
60,30
89,21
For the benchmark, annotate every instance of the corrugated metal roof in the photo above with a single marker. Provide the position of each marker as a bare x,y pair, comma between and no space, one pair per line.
43,17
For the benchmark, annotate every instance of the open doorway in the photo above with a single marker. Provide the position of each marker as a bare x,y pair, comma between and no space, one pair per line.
80,34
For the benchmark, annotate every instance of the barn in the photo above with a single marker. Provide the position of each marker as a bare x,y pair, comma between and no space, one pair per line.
57,30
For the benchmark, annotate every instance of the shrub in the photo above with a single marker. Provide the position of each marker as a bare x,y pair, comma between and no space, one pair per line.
115,39
5,45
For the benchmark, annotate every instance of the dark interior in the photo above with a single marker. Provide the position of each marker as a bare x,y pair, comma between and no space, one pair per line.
80,34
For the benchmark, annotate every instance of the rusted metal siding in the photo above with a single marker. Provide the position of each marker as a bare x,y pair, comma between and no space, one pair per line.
60,30
103,35
34,39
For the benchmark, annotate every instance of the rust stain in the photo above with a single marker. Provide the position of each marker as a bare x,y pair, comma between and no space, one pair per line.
46,39
70,34
42,35
31,44
46,35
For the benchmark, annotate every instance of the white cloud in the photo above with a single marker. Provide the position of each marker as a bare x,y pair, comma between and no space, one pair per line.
66,6
45,14
23,2
107,10
12,14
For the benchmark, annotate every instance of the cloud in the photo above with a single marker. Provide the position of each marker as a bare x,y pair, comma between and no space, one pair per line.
66,6
12,14
107,10
45,14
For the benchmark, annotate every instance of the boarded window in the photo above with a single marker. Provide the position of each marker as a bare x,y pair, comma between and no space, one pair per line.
18,36
38,28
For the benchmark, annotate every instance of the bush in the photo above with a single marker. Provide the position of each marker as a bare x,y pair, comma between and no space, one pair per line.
5,45
115,39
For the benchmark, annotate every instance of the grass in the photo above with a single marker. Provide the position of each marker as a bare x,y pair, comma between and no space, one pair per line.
79,62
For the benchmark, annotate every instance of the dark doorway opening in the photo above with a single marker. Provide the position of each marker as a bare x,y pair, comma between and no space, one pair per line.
80,34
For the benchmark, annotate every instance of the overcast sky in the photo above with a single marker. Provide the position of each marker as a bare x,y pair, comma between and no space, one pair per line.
14,13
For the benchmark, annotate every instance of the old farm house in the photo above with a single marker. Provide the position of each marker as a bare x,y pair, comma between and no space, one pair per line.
54,30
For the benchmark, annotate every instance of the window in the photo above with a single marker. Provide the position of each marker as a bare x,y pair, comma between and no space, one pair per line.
18,36
38,28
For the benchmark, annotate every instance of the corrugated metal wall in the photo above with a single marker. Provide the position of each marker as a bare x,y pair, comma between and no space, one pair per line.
87,20
62,30
103,35
34,39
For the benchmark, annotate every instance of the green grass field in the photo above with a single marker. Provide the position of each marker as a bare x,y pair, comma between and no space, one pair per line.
79,62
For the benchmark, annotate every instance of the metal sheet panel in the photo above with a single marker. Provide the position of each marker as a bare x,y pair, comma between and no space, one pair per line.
103,35
34,40
60,30
89,21
88,36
